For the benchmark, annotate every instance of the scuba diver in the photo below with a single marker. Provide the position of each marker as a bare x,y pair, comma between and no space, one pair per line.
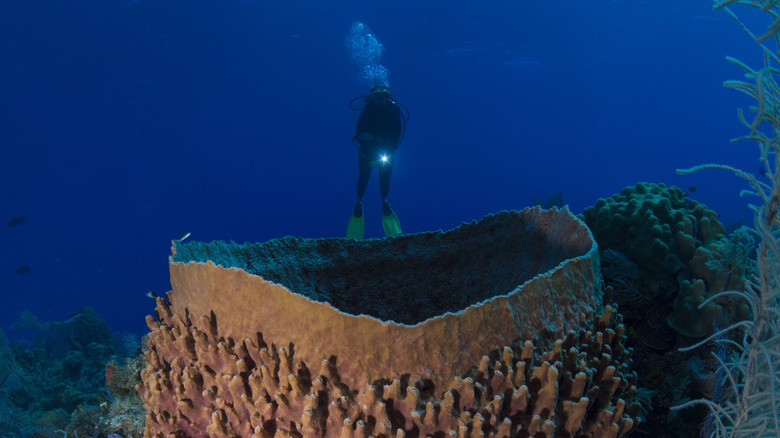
379,131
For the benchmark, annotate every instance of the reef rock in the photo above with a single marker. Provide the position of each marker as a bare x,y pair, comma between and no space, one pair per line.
496,327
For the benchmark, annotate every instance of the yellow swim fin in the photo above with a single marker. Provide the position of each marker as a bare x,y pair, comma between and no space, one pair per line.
355,227
391,224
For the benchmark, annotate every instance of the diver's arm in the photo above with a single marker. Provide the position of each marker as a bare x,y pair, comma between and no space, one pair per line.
369,127
360,127
397,127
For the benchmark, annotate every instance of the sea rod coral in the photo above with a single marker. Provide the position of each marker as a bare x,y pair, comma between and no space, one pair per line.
750,372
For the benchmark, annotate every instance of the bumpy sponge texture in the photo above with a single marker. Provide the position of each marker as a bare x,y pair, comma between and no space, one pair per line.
201,385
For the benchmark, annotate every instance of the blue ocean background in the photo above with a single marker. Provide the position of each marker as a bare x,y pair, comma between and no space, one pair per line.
126,124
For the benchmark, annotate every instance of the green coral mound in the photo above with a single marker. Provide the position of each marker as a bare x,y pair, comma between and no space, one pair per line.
654,225
680,249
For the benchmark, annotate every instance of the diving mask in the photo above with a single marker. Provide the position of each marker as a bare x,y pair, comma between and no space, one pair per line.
380,93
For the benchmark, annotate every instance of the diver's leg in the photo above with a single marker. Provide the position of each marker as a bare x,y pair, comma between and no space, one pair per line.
384,186
390,223
364,169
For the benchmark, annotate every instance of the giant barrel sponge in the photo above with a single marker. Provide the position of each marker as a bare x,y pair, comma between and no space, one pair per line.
496,327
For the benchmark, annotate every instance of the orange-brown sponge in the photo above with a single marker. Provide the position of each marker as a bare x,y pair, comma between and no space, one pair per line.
302,337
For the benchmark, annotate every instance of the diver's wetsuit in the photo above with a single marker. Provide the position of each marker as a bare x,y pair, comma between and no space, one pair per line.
379,129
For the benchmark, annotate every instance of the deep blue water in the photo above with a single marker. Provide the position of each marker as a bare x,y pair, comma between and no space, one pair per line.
125,124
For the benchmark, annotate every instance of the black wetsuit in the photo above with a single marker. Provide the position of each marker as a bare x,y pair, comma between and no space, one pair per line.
384,122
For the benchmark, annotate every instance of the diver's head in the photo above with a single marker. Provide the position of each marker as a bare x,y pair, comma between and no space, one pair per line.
380,93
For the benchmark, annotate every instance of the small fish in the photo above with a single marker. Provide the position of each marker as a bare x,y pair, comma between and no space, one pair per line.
16,220
692,189
184,237
151,294
22,269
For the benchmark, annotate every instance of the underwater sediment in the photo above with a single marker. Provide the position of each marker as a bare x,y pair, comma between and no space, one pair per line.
496,327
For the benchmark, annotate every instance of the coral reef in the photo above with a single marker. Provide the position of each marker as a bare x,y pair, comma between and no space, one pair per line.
58,338
52,379
721,265
122,413
237,353
663,254
680,249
